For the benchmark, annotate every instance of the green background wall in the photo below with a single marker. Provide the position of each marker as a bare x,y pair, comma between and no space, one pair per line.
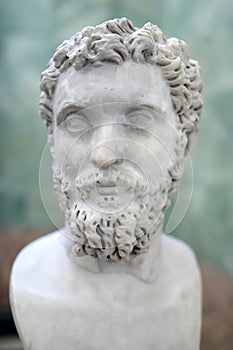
30,32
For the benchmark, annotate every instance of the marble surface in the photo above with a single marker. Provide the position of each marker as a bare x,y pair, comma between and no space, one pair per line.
206,26
217,306
100,310
121,106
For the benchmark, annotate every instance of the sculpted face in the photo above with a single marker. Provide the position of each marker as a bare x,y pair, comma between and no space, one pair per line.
114,144
121,106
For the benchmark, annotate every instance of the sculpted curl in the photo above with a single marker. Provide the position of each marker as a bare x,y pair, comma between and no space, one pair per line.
117,41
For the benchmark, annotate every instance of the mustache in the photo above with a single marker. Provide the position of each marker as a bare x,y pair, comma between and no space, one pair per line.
130,181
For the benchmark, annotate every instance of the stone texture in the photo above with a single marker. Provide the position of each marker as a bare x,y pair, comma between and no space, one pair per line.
217,322
207,26
121,106
75,305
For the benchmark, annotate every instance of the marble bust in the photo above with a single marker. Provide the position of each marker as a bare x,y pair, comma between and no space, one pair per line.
121,107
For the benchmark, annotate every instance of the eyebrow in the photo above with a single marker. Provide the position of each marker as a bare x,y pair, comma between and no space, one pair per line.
151,107
67,109
70,107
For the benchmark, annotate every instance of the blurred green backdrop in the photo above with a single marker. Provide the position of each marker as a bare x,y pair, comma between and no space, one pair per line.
30,32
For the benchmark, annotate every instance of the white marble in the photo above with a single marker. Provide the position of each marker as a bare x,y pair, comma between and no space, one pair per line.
61,304
121,106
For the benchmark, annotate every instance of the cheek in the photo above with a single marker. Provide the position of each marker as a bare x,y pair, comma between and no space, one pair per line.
152,151
69,154
163,140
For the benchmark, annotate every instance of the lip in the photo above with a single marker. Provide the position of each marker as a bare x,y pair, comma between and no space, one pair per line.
107,190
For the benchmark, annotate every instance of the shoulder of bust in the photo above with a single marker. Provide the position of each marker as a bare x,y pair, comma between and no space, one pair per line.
42,259
38,250
179,260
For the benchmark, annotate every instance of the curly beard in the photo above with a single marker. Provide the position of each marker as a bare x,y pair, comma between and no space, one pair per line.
112,234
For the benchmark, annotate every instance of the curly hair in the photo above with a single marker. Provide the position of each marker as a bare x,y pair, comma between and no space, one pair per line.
117,41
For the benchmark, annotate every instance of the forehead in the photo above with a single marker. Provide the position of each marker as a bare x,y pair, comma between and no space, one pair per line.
128,82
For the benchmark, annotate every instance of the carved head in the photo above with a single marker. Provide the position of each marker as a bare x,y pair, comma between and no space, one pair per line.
121,106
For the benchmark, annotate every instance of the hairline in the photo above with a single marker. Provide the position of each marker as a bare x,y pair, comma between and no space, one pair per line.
136,44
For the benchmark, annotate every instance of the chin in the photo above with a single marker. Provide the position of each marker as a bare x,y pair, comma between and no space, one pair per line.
115,235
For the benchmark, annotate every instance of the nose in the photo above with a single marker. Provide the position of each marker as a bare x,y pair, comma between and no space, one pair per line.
104,157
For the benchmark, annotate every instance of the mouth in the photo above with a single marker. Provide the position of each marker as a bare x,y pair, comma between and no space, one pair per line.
113,185
108,190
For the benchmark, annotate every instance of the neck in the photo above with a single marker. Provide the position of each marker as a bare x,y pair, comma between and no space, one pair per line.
144,267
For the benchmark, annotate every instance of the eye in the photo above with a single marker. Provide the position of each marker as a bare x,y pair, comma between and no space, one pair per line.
76,123
139,119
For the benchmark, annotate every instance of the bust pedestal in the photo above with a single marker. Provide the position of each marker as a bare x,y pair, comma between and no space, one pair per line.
151,302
